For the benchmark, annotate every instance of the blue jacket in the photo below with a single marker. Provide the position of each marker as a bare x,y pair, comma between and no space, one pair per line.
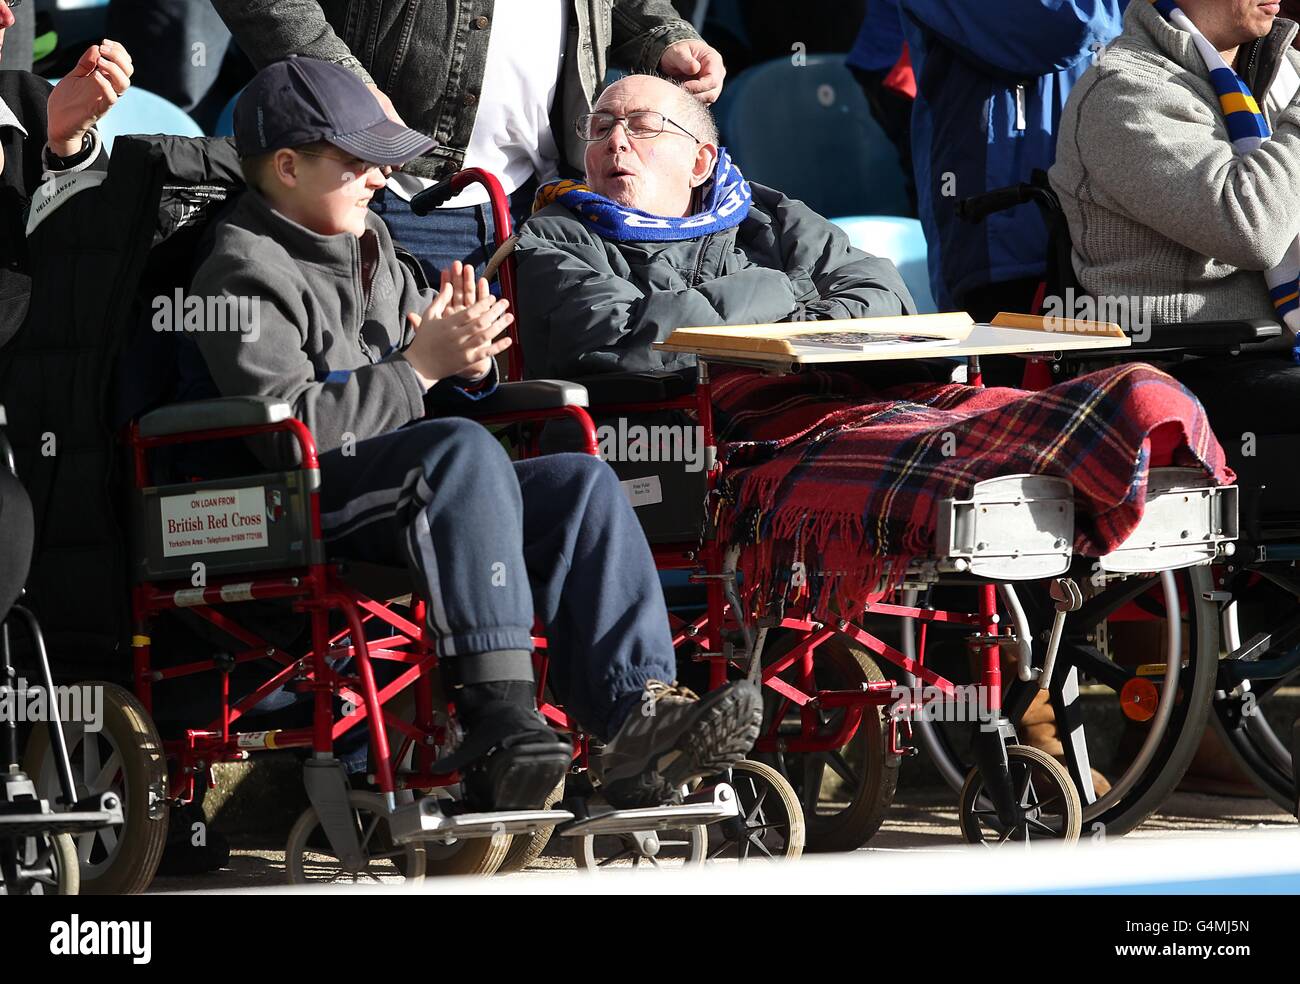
992,79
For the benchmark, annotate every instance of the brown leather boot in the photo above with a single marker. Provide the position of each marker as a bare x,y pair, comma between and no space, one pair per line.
1038,729
1214,770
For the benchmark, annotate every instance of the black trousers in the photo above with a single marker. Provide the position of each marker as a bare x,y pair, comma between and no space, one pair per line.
1245,394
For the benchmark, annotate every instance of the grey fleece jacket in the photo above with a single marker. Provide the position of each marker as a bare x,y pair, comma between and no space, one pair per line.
1159,205
331,323
590,305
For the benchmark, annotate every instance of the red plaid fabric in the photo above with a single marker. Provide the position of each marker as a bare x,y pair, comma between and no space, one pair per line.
826,472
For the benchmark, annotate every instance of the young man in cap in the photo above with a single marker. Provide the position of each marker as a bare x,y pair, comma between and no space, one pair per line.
351,340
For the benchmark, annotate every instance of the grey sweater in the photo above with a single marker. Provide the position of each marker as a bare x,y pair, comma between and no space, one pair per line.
1159,205
330,323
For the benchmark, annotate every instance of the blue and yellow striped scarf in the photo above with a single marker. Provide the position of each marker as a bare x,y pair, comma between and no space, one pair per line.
1247,129
726,200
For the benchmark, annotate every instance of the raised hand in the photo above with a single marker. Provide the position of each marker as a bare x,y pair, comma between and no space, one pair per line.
464,291
697,65
84,95
458,344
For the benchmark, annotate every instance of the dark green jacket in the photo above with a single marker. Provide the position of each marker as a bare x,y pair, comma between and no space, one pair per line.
589,305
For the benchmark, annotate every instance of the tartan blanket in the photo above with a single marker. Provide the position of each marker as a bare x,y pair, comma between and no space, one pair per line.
825,472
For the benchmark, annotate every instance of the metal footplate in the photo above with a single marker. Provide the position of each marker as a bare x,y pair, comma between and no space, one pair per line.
704,807
1188,520
1014,527
424,820
34,817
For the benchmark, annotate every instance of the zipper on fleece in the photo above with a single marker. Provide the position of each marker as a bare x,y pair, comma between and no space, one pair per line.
699,261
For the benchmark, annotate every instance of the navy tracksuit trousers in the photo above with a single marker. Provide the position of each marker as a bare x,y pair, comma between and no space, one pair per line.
490,542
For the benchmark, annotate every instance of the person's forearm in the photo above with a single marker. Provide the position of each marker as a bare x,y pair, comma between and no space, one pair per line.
268,30
601,329
866,287
642,30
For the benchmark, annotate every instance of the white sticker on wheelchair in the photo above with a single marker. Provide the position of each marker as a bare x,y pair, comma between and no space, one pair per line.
237,592
643,491
214,519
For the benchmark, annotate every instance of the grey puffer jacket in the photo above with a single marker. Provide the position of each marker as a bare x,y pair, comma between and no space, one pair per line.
589,305
429,55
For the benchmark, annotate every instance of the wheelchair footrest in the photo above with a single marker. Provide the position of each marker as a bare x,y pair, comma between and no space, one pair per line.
1187,521
32,818
1013,527
424,820
707,806
35,824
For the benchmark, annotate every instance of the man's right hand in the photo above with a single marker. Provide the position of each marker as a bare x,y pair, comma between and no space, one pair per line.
385,103
451,344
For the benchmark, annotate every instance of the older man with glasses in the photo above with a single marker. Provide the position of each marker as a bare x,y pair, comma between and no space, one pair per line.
666,232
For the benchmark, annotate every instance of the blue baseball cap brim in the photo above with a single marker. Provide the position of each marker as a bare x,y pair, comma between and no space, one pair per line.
385,142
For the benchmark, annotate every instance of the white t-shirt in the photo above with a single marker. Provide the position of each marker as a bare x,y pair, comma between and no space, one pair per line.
1283,89
512,130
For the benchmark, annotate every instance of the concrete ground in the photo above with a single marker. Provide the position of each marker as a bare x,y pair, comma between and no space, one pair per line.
921,820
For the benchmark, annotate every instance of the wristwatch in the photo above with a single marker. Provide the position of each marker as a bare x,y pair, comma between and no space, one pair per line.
57,163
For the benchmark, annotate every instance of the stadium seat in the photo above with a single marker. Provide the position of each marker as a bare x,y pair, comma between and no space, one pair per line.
900,239
143,112
225,125
807,131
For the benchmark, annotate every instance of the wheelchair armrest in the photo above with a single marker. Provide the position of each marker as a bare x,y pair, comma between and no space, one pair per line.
220,412
636,387
1212,335
531,394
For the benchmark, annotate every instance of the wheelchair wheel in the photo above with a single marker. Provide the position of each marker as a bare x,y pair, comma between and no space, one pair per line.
125,756
474,856
527,848
49,864
309,860
1049,803
845,793
1155,693
677,848
771,822
1248,718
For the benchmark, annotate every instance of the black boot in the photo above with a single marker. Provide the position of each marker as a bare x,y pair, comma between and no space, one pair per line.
510,758
181,856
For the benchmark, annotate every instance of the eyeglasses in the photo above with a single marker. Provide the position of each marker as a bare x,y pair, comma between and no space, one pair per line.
642,124
353,164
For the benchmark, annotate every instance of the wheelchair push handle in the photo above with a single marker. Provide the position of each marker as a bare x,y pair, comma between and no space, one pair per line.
979,207
431,198
1038,189
445,190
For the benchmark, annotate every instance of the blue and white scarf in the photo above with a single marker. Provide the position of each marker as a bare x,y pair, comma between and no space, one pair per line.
1247,129
726,199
